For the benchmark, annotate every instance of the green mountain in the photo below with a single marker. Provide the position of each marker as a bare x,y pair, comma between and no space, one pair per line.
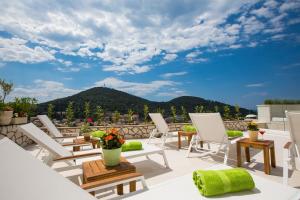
111,100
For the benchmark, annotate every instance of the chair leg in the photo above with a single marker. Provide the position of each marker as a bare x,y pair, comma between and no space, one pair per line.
165,159
285,166
144,184
226,154
190,146
151,135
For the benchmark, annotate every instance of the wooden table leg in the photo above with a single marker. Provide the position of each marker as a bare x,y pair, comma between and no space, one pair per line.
179,140
267,160
76,148
273,159
247,153
238,151
120,189
201,144
132,186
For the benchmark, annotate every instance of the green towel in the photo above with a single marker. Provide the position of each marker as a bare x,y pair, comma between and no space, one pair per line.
188,128
97,134
232,133
218,182
132,146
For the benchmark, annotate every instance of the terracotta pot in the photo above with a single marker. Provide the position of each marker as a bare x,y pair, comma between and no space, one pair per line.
19,120
5,117
253,135
111,157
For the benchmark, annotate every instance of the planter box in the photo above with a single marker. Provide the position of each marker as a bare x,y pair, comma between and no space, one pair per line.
5,117
19,120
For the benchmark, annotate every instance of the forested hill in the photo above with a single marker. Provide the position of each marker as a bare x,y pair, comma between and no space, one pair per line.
111,100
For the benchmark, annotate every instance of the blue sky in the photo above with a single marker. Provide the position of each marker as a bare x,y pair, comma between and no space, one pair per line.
238,52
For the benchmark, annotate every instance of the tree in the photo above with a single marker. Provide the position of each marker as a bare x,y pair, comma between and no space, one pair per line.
216,108
146,112
70,113
161,111
184,114
173,112
50,110
237,112
99,114
199,109
86,111
116,116
130,116
226,112
6,89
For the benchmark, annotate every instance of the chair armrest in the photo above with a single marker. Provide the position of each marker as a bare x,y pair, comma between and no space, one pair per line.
65,137
288,145
74,157
112,181
74,144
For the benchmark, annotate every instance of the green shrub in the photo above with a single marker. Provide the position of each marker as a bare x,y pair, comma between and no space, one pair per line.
233,133
189,128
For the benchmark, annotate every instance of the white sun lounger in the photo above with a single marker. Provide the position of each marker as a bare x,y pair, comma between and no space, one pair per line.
210,128
291,151
59,153
161,127
25,178
183,188
54,132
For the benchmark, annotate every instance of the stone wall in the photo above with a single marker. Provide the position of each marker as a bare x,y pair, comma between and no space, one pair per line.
144,130
12,132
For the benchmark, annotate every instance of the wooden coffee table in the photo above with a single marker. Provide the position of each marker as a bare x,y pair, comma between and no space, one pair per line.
266,145
81,141
95,171
187,134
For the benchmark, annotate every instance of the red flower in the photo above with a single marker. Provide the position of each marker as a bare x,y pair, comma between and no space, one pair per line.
89,120
109,137
121,141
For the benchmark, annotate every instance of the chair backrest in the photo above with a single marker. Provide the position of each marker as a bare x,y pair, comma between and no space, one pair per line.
209,126
44,140
159,122
25,177
294,126
49,125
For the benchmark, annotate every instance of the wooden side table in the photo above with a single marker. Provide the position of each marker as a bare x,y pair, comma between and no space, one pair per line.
266,145
94,171
81,141
187,134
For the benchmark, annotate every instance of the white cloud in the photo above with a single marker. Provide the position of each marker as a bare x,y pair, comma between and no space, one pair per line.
193,57
15,50
135,88
169,75
43,90
68,78
126,35
255,85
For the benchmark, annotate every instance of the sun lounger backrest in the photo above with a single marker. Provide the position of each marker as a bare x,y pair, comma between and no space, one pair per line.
49,125
210,126
294,126
159,122
44,140
25,177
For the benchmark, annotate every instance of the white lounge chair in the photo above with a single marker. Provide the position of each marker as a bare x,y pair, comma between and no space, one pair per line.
54,132
291,152
24,177
210,129
59,153
183,188
161,128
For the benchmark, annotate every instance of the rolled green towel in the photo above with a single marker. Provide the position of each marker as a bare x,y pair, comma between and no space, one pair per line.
188,128
97,134
218,182
132,146
232,133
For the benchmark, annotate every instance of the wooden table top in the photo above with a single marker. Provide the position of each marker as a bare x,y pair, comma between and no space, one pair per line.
256,143
82,141
95,170
185,133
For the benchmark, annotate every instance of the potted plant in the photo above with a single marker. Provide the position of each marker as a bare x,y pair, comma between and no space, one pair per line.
6,114
253,131
111,143
85,130
23,107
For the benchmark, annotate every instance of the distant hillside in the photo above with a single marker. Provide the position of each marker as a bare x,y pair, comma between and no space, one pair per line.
111,100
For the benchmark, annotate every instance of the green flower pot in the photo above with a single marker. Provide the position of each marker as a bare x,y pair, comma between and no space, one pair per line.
111,157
